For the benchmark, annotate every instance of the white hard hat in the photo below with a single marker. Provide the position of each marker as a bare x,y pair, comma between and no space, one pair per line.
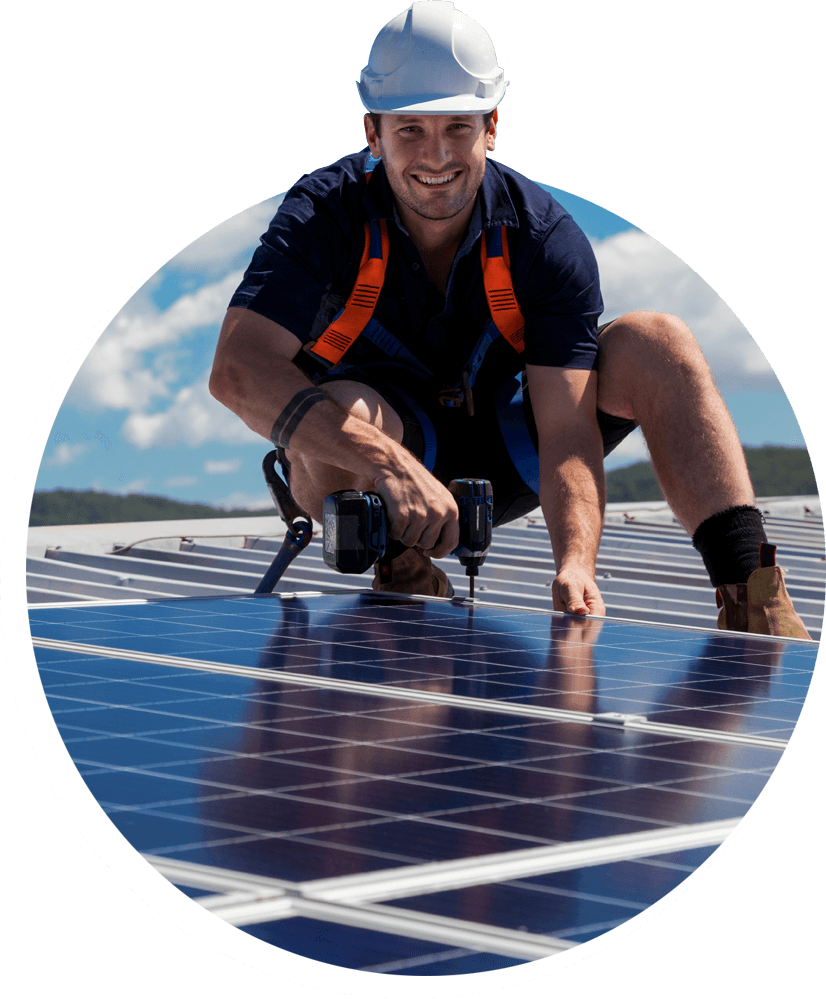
432,59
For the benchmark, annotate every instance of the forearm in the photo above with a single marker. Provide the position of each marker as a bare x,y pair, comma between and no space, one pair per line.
572,495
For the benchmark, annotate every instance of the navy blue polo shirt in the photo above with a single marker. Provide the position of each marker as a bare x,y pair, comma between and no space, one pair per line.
306,266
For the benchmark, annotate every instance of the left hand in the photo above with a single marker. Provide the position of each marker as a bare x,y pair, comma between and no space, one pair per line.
575,592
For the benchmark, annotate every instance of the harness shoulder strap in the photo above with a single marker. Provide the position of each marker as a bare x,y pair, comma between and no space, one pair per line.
340,335
350,322
496,269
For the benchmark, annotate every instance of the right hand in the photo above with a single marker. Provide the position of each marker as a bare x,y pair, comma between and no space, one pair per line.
575,592
421,512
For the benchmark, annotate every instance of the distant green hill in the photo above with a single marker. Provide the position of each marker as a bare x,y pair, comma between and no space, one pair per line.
775,471
66,506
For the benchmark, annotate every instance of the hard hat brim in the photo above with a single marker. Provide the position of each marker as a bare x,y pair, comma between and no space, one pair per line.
430,104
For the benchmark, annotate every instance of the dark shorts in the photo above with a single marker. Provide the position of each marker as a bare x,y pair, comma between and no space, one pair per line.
497,443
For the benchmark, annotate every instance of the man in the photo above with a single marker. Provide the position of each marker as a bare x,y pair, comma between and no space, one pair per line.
365,343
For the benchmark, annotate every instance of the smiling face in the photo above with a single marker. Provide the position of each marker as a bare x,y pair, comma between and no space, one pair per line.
434,163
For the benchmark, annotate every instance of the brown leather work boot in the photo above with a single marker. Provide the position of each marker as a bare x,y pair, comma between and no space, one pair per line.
411,572
761,605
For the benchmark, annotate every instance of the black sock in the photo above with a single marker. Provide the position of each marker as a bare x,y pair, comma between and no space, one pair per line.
729,543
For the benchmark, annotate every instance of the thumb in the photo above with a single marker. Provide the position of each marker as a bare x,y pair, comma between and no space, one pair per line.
568,598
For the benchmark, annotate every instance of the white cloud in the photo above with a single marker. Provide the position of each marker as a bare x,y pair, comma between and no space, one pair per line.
252,501
193,418
65,454
637,272
222,467
136,486
116,375
181,481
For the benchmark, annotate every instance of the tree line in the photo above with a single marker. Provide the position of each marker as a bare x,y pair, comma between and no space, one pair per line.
775,471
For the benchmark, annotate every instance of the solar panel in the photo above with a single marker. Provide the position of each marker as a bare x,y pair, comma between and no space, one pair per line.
416,786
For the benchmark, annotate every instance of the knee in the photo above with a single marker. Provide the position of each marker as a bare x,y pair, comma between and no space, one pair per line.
648,328
647,341
365,404
648,359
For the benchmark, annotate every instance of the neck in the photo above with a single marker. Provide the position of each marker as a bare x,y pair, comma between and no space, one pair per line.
434,235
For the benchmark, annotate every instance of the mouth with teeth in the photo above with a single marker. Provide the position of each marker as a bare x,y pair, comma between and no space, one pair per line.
430,181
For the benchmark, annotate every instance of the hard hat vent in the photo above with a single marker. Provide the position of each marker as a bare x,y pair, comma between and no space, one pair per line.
391,47
472,48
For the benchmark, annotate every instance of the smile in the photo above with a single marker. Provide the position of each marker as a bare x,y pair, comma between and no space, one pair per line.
434,181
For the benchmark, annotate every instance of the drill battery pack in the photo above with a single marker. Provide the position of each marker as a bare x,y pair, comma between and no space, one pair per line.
355,530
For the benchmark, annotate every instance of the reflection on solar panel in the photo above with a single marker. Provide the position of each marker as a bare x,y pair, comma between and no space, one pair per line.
411,786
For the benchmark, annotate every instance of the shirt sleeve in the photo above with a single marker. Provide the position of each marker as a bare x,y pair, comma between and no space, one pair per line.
561,301
306,252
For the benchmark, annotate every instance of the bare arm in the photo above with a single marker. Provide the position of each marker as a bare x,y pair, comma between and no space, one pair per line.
253,375
572,480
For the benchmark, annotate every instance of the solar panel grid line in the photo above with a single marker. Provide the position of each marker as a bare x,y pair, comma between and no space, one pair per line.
289,794
242,910
163,735
444,875
419,926
420,961
251,910
185,872
216,903
424,696
447,818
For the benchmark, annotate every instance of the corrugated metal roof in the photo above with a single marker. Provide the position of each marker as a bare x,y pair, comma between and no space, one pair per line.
647,568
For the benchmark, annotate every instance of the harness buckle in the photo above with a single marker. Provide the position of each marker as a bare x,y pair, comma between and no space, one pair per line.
451,397
458,395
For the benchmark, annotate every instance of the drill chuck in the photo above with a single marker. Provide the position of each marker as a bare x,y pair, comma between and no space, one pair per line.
474,498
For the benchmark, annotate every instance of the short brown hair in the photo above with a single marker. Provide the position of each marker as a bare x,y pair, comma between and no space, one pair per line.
376,119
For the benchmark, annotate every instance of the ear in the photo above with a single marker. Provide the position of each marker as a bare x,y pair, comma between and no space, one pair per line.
490,139
373,141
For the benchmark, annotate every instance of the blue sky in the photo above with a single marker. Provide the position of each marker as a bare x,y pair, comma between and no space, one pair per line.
139,418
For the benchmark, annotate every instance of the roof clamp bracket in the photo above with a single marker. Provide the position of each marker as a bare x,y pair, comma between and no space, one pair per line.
618,718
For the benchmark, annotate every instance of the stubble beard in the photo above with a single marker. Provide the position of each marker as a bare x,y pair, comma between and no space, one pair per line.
436,210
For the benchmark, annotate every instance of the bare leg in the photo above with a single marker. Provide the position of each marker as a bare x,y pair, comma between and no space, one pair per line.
311,481
652,370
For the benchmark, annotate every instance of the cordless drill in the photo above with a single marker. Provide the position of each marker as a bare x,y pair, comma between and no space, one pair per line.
355,528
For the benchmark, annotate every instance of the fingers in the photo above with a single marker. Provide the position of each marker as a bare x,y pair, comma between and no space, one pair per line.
447,540
574,592
434,536
421,513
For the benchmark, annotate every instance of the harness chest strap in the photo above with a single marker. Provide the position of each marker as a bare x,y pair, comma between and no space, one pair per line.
348,325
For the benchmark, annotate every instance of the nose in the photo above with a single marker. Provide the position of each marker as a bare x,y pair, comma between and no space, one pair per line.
436,153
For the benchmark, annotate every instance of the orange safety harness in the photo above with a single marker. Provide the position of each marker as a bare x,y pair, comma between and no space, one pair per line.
358,310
